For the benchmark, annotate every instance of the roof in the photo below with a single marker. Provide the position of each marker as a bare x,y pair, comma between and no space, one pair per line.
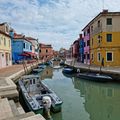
31,38
21,36
45,45
103,13
4,33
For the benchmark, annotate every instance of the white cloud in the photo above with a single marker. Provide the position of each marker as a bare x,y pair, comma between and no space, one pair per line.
58,22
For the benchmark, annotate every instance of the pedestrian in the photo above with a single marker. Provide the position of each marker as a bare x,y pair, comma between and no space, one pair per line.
102,62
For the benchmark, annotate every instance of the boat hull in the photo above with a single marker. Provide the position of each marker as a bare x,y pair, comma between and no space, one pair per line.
94,77
56,108
68,71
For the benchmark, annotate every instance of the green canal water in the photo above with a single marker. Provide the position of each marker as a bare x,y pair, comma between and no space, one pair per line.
82,99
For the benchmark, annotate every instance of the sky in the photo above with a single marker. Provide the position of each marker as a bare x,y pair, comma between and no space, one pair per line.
56,22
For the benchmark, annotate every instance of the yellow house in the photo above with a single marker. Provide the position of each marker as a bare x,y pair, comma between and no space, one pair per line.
105,39
5,46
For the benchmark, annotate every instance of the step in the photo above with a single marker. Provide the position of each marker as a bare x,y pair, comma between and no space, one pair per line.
9,93
35,117
20,110
14,108
5,109
21,116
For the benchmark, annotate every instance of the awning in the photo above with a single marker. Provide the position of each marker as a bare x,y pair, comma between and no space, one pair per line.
24,54
31,54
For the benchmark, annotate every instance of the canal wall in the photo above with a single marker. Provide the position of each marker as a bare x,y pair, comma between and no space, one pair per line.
9,94
114,72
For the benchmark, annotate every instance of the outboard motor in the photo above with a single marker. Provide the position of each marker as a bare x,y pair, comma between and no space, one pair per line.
47,105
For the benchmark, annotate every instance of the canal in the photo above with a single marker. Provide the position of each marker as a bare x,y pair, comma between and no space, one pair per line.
82,99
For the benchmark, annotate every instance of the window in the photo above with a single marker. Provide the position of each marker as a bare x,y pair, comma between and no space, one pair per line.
92,56
109,56
84,44
46,50
99,23
9,43
84,33
23,45
88,31
88,56
109,21
99,38
33,81
91,28
84,56
99,57
109,37
30,47
92,42
4,41
88,43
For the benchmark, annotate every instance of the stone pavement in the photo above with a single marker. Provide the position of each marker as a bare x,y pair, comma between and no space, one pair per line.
110,70
8,75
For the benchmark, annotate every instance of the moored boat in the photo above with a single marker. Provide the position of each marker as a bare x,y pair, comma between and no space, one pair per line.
37,70
33,92
95,77
68,70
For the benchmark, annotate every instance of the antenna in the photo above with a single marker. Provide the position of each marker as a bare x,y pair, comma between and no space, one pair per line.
103,4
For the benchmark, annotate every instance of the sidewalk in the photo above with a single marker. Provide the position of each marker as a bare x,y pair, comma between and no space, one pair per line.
110,70
7,77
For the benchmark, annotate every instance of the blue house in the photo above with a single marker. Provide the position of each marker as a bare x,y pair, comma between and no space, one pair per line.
81,48
21,47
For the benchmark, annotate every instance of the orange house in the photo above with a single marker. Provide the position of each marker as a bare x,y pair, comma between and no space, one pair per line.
46,51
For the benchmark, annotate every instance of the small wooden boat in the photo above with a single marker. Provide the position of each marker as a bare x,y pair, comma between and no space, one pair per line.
37,70
57,67
42,66
95,77
68,70
33,91
62,63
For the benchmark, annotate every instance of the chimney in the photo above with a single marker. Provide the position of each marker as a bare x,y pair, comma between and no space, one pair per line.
80,35
105,11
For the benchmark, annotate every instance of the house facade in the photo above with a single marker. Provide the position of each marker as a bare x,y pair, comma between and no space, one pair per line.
105,39
75,49
5,46
81,48
86,32
21,48
45,52
35,46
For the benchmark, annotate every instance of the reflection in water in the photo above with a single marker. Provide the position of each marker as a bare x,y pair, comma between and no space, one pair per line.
47,73
84,100
102,101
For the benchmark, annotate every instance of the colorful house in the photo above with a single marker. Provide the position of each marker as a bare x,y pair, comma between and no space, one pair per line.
5,46
105,39
75,49
21,48
86,31
81,48
46,51
35,46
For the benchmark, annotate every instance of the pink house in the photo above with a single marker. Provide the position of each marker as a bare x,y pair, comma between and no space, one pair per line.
86,31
